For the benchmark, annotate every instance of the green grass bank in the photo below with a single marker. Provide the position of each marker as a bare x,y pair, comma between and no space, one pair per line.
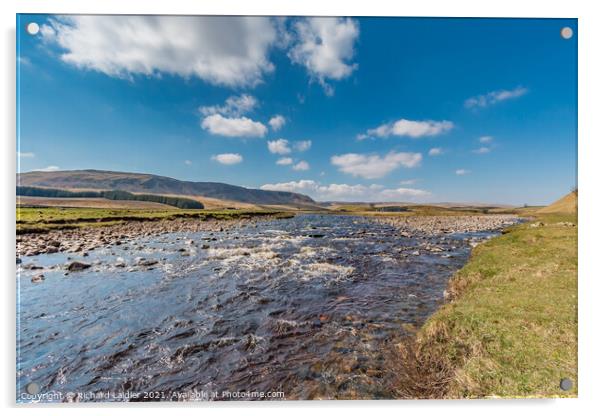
509,328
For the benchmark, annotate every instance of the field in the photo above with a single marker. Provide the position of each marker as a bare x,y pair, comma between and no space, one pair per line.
43,219
510,329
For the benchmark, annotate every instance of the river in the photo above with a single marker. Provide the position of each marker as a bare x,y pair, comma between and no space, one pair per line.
304,307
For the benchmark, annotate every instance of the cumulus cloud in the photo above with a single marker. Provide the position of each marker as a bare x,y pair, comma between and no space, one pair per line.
233,127
301,165
279,146
302,145
435,151
277,122
409,128
230,51
50,168
485,139
482,150
462,172
25,154
227,120
370,166
346,192
283,161
234,106
494,97
227,158
325,47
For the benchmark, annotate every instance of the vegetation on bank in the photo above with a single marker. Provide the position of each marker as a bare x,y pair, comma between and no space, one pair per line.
40,220
510,328
116,195
424,210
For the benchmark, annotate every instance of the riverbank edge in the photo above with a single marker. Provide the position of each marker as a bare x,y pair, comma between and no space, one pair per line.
508,327
106,218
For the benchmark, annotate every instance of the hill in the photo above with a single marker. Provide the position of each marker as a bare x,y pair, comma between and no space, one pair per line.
161,185
565,205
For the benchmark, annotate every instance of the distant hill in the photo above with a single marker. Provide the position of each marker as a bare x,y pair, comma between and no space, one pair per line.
153,184
565,205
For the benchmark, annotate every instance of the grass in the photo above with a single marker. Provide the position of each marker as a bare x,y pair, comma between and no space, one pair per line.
510,329
40,220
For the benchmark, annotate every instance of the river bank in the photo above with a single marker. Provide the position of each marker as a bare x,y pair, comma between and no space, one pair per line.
509,328
77,230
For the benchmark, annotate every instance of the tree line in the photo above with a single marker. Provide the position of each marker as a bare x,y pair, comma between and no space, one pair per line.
115,195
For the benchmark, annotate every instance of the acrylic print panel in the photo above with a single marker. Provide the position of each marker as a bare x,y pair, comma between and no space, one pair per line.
269,208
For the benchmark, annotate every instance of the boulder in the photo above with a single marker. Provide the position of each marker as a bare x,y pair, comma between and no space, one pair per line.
76,266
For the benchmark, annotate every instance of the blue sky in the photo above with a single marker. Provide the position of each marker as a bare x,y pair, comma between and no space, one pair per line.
372,109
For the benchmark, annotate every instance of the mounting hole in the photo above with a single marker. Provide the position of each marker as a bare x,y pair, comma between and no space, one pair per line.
32,388
33,28
566,32
566,384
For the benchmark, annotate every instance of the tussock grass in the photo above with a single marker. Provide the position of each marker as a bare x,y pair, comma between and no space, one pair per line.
510,328
40,220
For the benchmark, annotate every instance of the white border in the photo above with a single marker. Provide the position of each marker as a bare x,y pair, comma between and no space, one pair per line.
590,203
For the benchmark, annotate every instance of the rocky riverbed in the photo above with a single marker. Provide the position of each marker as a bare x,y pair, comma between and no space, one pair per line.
84,240
433,225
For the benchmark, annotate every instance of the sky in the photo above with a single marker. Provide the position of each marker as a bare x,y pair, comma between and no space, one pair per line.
340,109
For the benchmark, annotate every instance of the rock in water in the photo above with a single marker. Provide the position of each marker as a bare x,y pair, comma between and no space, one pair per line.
77,266
38,278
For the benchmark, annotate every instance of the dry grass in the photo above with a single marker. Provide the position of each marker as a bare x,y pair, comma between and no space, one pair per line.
89,203
40,220
565,205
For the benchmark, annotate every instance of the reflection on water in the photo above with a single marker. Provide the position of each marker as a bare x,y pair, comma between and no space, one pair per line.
302,306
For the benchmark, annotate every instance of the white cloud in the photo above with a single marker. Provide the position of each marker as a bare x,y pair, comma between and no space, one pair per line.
302,146
227,158
233,127
325,47
302,165
277,122
23,60
410,128
228,50
493,97
188,162
283,161
408,182
227,120
25,154
280,146
234,106
435,151
482,150
374,166
50,168
461,172
346,192
485,139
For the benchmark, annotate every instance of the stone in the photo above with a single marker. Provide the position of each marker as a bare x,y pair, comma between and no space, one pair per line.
38,278
77,266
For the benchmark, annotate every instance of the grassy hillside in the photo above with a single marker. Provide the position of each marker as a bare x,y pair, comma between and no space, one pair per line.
565,205
178,202
152,184
510,329
32,201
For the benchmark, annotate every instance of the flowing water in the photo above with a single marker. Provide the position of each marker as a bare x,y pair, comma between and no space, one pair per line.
304,306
